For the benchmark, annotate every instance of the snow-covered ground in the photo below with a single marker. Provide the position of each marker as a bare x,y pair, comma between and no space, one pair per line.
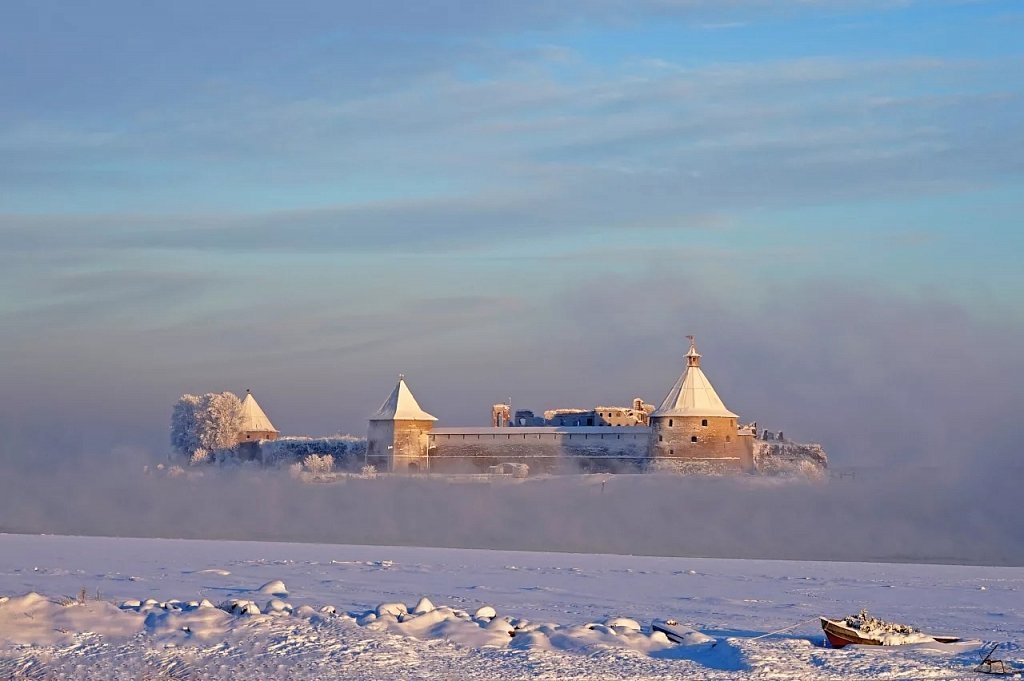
561,602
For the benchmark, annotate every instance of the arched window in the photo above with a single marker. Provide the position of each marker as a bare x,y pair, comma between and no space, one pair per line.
693,438
704,422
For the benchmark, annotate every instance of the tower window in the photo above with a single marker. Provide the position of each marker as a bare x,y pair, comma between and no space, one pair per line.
670,423
671,452
728,438
704,422
693,438
660,438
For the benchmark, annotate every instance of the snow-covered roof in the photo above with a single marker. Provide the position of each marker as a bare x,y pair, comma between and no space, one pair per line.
401,406
693,394
253,417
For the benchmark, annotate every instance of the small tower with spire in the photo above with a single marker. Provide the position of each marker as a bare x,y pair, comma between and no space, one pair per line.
693,423
255,424
398,435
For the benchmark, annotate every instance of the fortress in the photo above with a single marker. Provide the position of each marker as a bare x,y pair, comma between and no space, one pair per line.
691,430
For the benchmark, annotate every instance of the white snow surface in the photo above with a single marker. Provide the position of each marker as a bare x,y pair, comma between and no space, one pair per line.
370,612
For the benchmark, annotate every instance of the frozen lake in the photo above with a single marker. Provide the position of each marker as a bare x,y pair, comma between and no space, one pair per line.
731,600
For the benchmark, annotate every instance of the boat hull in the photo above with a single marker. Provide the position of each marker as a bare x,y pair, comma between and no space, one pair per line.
839,635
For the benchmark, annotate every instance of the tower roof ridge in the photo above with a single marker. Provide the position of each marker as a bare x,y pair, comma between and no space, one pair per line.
401,406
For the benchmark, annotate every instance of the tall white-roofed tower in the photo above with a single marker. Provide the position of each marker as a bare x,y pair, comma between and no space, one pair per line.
398,436
694,424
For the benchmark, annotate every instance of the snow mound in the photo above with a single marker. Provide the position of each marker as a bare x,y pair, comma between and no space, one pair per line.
486,629
424,605
393,609
202,624
240,606
277,606
33,619
622,624
275,587
485,612
305,612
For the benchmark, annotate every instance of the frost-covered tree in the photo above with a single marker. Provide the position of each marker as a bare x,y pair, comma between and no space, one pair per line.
185,425
220,420
205,422
318,464
199,457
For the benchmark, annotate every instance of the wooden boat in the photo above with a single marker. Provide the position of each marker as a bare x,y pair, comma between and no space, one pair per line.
844,632
680,633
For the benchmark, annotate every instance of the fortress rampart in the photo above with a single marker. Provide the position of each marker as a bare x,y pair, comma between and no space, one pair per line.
691,430
544,449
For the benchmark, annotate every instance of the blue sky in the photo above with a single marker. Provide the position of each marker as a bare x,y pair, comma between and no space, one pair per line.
536,201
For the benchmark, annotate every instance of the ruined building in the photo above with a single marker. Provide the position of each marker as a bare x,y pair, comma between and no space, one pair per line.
636,415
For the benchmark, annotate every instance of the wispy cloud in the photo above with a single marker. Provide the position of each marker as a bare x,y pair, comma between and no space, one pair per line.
666,143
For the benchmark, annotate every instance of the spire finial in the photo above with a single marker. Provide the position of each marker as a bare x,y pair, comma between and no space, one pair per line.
401,377
247,391
692,357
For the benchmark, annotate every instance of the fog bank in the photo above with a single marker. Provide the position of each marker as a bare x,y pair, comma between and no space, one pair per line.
909,515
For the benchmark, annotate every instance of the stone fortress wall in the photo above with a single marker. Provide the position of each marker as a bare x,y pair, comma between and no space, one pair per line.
701,438
691,430
543,449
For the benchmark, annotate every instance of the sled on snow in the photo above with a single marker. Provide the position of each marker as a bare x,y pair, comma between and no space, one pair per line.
996,667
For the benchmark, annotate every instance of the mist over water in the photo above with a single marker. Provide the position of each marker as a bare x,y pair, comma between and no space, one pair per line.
904,515
919,399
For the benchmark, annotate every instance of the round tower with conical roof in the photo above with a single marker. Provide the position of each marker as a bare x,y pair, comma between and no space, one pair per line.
692,424
255,425
398,435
